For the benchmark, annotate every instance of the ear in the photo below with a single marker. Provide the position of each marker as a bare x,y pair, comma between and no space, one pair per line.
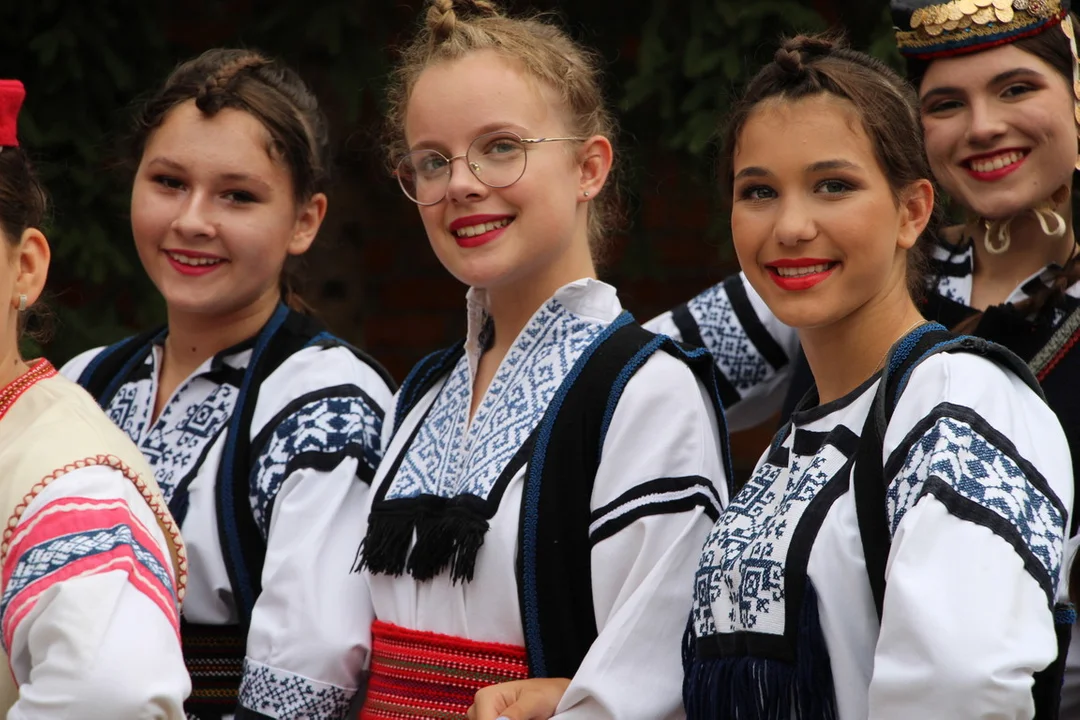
916,208
32,256
595,157
308,220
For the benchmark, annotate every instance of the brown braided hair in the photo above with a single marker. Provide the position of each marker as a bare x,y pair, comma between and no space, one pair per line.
271,92
809,65
453,28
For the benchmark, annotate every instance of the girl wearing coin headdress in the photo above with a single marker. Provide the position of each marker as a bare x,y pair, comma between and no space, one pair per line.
550,479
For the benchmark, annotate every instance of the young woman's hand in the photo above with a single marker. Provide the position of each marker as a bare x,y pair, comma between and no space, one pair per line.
520,700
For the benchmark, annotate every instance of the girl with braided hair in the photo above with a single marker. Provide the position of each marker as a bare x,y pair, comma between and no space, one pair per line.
897,551
262,429
550,479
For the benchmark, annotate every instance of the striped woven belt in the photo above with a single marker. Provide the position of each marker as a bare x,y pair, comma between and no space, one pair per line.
427,676
214,655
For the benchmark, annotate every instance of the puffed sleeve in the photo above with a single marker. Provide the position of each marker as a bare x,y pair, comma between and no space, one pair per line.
89,613
754,351
307,646
979,486
660,486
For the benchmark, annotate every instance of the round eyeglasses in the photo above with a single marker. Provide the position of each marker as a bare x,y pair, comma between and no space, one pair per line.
497,159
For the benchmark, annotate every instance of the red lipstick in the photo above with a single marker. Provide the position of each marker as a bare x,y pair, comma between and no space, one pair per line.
483,238
996,173
803,281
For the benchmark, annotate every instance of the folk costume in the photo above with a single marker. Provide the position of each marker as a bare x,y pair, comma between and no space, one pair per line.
758,357
91,564
264,455
945,483
553,534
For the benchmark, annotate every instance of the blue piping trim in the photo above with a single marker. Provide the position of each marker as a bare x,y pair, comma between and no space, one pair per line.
228,461
531,503
620,383
406,401
118,379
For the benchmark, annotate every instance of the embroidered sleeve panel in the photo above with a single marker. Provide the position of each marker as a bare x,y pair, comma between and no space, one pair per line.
956,452
75,537
662,496
274,693
730,328
317,431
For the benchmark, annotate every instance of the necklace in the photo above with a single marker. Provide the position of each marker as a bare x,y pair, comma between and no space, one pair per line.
881,362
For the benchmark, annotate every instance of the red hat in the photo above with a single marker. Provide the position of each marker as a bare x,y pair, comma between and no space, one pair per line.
12,93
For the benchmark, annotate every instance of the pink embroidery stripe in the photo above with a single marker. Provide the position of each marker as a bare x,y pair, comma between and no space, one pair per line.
73,526
71,515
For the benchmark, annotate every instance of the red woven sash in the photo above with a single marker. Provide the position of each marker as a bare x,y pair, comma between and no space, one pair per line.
423,675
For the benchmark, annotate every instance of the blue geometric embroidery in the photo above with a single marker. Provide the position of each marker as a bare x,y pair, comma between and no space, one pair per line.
959,455
279,694
191,420
56,553
129,410
326,426
739,585
736,356
451,456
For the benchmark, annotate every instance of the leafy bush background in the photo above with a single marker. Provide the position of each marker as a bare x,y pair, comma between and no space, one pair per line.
672,69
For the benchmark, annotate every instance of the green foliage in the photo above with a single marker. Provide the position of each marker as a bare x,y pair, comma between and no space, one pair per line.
86,64
695,56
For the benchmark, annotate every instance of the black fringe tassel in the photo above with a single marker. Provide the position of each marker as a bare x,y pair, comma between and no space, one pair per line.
753,688
449,535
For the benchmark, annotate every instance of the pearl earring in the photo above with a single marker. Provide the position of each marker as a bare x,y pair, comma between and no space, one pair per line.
586,193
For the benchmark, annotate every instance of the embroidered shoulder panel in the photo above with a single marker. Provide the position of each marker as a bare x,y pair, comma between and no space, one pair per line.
738,358
279,694
77,537
975,465
451,456
740,582
318,434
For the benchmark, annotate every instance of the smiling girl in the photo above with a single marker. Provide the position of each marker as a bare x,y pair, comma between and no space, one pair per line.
944,447
550,479
262,429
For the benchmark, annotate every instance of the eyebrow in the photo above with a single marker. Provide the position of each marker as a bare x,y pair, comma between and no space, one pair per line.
482,130
996,80
820,166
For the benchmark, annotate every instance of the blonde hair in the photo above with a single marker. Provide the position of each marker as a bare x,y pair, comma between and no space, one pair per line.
546,53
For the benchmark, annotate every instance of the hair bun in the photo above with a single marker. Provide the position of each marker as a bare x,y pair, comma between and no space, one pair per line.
217,84
442,16
795,53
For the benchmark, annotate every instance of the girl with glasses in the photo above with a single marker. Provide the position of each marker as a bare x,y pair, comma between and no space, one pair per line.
897,551
92,569
549,480
263,429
